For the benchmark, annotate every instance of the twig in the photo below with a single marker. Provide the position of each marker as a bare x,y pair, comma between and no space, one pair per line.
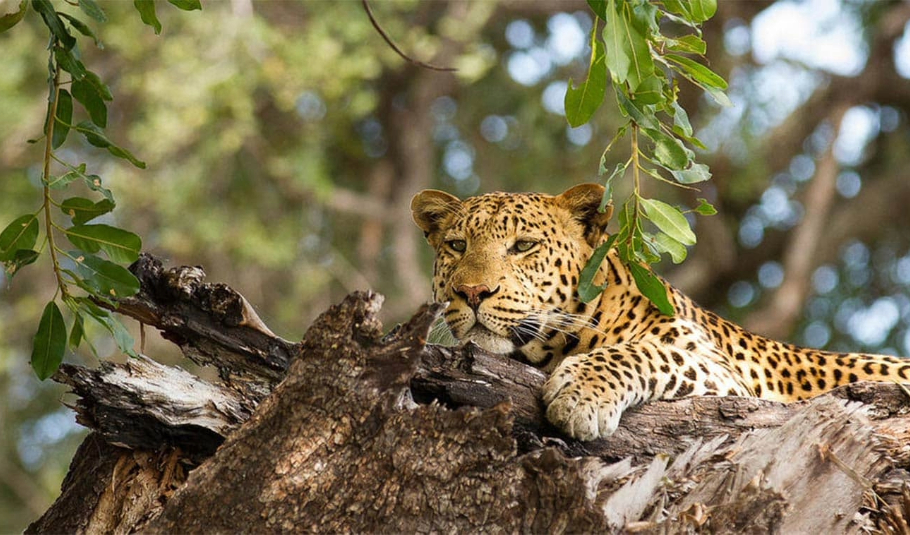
385,36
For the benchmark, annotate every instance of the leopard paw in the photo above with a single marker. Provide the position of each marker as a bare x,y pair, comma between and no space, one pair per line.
574,406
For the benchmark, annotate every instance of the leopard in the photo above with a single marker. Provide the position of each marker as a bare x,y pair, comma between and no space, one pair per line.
509,266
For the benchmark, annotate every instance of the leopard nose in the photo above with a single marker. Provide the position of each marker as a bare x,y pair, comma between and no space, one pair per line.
475,294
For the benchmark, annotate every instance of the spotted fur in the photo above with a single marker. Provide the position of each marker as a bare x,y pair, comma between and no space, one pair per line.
509,264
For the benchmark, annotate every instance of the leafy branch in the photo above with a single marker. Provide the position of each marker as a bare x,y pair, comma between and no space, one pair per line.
643,65
83,278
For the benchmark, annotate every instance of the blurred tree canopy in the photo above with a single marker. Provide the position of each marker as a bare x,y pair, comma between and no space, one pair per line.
284,141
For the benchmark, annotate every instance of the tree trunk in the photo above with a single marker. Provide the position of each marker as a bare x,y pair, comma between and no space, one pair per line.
354,430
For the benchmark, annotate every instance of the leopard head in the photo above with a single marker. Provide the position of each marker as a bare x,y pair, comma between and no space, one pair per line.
509,263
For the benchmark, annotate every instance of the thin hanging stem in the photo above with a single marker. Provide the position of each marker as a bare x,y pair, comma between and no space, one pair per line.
636,183
48,202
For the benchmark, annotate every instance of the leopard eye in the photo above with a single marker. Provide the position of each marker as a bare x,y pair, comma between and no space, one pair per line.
523,246
457,245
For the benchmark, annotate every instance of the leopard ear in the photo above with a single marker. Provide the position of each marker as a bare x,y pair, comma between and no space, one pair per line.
583,201
430,206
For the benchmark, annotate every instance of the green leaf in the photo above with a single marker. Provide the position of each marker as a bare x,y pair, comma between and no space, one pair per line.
650,90
668,219
665,244
82,28
54,22
82,210
88,306
120,245
186,5
602,169
120,334
587,290
599,7
697,72
618,58
49,342
94,135
697,173
103,90
608,185
646,17
94,183
93,10
652,288
719,96
77,333
681,119
692,11
668,150
642,116
69,63
680,7
11,19
705,208
64,118
21,258
691,139
146,9
106,278
642,66
22,233
86,94
628,55
60,182
689,44
702,10
581,102
121,152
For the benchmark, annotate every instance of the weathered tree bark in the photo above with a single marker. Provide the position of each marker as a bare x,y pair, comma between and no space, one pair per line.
354,430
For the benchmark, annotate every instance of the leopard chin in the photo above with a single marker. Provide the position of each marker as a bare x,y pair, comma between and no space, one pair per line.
489,341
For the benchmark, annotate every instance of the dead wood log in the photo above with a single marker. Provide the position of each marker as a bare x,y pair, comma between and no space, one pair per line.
373,432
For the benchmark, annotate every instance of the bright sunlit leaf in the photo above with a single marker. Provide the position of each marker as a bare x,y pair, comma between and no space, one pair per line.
669,219
581,102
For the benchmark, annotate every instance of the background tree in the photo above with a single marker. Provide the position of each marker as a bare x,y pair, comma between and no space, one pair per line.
283,141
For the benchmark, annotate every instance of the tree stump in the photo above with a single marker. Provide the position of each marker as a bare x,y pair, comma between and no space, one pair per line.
356,430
